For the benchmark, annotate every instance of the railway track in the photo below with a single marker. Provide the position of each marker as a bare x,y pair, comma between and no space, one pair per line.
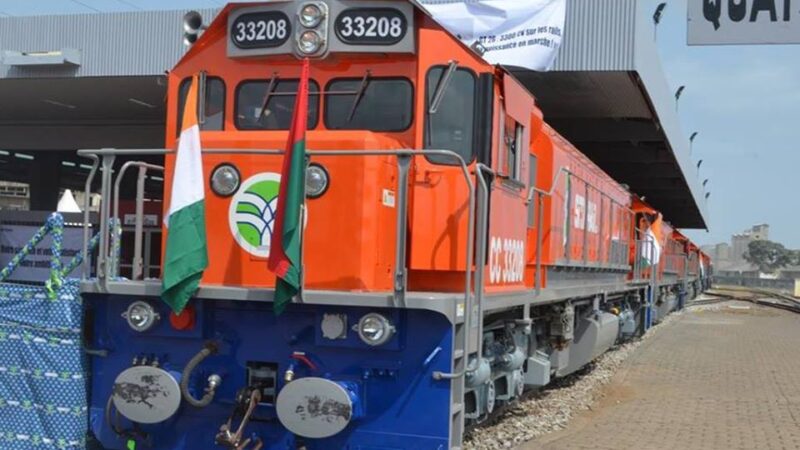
763,297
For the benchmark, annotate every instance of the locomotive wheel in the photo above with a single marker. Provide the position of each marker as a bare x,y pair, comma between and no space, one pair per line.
491,397
519,383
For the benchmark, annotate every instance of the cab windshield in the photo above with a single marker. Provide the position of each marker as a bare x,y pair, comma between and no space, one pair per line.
374,104
268,104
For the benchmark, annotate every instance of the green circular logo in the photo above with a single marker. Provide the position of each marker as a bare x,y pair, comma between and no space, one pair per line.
253,211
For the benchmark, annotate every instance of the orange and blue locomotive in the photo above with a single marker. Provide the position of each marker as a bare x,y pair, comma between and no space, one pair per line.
456,251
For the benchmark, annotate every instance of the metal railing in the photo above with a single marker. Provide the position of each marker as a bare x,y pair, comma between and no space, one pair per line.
106,262
618,251
483,232
643,267
692,264
674,263
136,270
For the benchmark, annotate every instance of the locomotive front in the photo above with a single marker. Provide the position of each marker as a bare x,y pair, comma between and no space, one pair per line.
361,358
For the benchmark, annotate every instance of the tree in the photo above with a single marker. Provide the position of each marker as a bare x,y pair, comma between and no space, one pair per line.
768,256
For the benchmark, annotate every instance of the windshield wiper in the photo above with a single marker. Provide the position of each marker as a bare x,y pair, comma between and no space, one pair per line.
359,95
442,86
271,87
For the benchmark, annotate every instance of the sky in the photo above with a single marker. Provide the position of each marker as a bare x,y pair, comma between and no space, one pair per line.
744,101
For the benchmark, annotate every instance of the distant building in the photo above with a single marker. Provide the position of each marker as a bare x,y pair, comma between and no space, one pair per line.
14,196
719,253
760,232
790,273
740,242
723,252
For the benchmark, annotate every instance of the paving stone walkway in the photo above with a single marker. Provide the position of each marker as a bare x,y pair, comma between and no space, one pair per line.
722,377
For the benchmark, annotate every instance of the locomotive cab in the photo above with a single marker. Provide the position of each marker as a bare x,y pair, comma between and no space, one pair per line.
384,77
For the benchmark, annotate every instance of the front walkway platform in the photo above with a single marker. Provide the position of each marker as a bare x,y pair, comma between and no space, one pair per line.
723,376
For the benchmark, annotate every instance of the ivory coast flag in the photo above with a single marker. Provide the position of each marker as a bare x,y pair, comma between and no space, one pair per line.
186,255
654,236
284,250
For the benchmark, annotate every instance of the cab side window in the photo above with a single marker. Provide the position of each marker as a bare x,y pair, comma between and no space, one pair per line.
531,183
214,104
513,148
452,126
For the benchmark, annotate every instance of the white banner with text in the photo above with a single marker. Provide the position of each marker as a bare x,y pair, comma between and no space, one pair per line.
522,33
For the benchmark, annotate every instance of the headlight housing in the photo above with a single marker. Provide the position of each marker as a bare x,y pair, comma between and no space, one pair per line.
309,42
375,329
311,15
225,180
317,180
141,316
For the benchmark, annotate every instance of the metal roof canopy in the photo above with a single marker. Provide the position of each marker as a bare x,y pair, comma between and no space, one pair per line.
82,81
87,80
608,95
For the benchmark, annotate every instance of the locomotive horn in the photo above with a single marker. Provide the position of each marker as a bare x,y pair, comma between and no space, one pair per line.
192,25
192,22
189,39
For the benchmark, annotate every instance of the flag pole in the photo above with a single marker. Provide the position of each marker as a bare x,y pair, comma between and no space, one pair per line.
303,221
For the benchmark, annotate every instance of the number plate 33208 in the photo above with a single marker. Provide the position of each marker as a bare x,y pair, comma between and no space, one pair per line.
378,26
261,30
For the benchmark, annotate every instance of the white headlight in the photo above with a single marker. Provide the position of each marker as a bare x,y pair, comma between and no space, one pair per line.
310,15
316,180
225,180
375,329
141,316
310,42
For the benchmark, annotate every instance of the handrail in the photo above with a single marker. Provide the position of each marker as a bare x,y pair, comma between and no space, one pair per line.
105,187
86,205
534,191
564,169
108,156
113,263
480,263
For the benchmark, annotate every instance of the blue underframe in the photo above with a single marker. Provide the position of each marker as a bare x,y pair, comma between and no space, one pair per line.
403,407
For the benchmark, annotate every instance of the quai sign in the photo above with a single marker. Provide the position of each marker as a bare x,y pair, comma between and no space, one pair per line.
714,22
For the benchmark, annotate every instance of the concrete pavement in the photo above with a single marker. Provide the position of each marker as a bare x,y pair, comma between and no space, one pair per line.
722,377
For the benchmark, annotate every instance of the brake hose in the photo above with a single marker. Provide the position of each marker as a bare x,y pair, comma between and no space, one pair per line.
134,434
214,380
